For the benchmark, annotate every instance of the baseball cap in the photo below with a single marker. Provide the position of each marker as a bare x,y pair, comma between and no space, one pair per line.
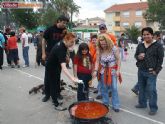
102,26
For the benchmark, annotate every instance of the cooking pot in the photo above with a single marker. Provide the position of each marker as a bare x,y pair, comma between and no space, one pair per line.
88,111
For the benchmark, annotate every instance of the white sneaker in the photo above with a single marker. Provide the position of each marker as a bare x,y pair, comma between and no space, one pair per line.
60,108
24,66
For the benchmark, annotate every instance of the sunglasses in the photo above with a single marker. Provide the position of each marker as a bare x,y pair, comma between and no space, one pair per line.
102,28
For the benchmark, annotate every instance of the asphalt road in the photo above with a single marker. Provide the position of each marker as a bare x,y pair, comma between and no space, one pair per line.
18,107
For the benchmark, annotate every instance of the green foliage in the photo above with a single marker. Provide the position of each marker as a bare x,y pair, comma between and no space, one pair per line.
155,12
46,16
56,8
25,17
133,32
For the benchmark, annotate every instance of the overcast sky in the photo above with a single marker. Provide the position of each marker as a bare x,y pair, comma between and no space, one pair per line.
94,8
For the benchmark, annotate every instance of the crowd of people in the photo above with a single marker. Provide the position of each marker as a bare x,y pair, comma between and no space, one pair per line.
100,58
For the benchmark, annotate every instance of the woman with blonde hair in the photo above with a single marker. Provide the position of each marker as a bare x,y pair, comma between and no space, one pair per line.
107,69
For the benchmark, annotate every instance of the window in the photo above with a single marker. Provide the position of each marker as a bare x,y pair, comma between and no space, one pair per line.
126,14
125,24
117,14
138,13
138,24
117,23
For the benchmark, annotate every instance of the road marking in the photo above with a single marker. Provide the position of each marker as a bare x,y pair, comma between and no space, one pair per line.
125,110
141,116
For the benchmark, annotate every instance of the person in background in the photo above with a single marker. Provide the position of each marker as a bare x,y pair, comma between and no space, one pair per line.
103,29
38,47
92,47
122,44
13,50
52,36
55,63
83,70
158,37
25,46
7,35
149,56
2,46
107,68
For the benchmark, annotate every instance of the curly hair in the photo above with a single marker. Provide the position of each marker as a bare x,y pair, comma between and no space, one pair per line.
107,39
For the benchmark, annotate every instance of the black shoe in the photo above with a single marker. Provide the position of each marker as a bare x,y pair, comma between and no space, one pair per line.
99,97
12,66
60,97
1,67
152,112
135,92
96,91
116,110
110,94
57,103
45,99
18,66
140,106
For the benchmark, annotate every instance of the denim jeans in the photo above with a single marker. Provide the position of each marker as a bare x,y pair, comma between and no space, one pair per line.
1,56
136,87
105,91
147,85
122,54
26,55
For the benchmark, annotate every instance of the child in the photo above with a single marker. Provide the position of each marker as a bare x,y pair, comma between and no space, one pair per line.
13,50
83,70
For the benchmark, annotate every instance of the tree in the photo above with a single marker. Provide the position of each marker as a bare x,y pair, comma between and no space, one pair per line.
133,32
46,16
74,9
25,17
59,7
155,12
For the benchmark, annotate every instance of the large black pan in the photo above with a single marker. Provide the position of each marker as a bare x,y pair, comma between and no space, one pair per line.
81,111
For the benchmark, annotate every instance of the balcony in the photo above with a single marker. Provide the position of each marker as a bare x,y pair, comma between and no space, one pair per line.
116,18
116,28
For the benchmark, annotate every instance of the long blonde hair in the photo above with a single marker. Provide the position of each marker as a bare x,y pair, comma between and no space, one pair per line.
108,40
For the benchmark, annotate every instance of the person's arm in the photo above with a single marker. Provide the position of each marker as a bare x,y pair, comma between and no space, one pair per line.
23,40
67,73
96,63
2,40
75,63
160,59
75,70
43,49
118,62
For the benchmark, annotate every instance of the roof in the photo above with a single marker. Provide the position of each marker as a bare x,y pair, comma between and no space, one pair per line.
127,6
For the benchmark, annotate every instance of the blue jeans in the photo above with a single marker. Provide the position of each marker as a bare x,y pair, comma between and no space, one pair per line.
147,85
105,91
136,87
26,55
122,53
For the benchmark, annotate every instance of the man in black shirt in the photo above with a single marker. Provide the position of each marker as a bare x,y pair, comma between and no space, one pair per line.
149,56
55,63
52,36
7,35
